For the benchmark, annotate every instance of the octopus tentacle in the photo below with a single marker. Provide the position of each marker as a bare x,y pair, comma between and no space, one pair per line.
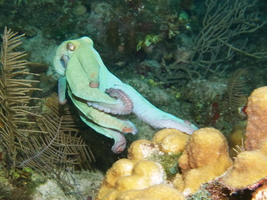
130,128
152,115
119,139
62,87
123,106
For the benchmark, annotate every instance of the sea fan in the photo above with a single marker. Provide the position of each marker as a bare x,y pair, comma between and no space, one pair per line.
40,137
15,109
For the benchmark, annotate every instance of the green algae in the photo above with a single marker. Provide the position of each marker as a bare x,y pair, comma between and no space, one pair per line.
169,162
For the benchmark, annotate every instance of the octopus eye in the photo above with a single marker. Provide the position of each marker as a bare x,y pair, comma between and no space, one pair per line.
70,46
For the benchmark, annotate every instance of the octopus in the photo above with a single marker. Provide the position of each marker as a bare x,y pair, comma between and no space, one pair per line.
103,100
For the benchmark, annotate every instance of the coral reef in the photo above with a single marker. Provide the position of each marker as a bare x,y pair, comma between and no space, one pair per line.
143,172
156,192
197,39
248,169
171,140
250,165
129,179
204,165
256,130
205,158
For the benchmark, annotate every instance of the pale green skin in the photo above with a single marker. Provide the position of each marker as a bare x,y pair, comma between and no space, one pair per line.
86,79
83,67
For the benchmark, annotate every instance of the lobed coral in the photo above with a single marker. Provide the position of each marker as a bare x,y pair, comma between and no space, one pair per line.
256,129
171,140
249,168
142,175
205,158
156,192
129,180
205,163
250,165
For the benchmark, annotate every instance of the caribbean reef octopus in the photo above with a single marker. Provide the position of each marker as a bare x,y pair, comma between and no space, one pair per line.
103,100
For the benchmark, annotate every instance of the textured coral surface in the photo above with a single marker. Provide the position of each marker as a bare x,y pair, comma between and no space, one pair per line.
257,118
250,166
203,165
205,158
